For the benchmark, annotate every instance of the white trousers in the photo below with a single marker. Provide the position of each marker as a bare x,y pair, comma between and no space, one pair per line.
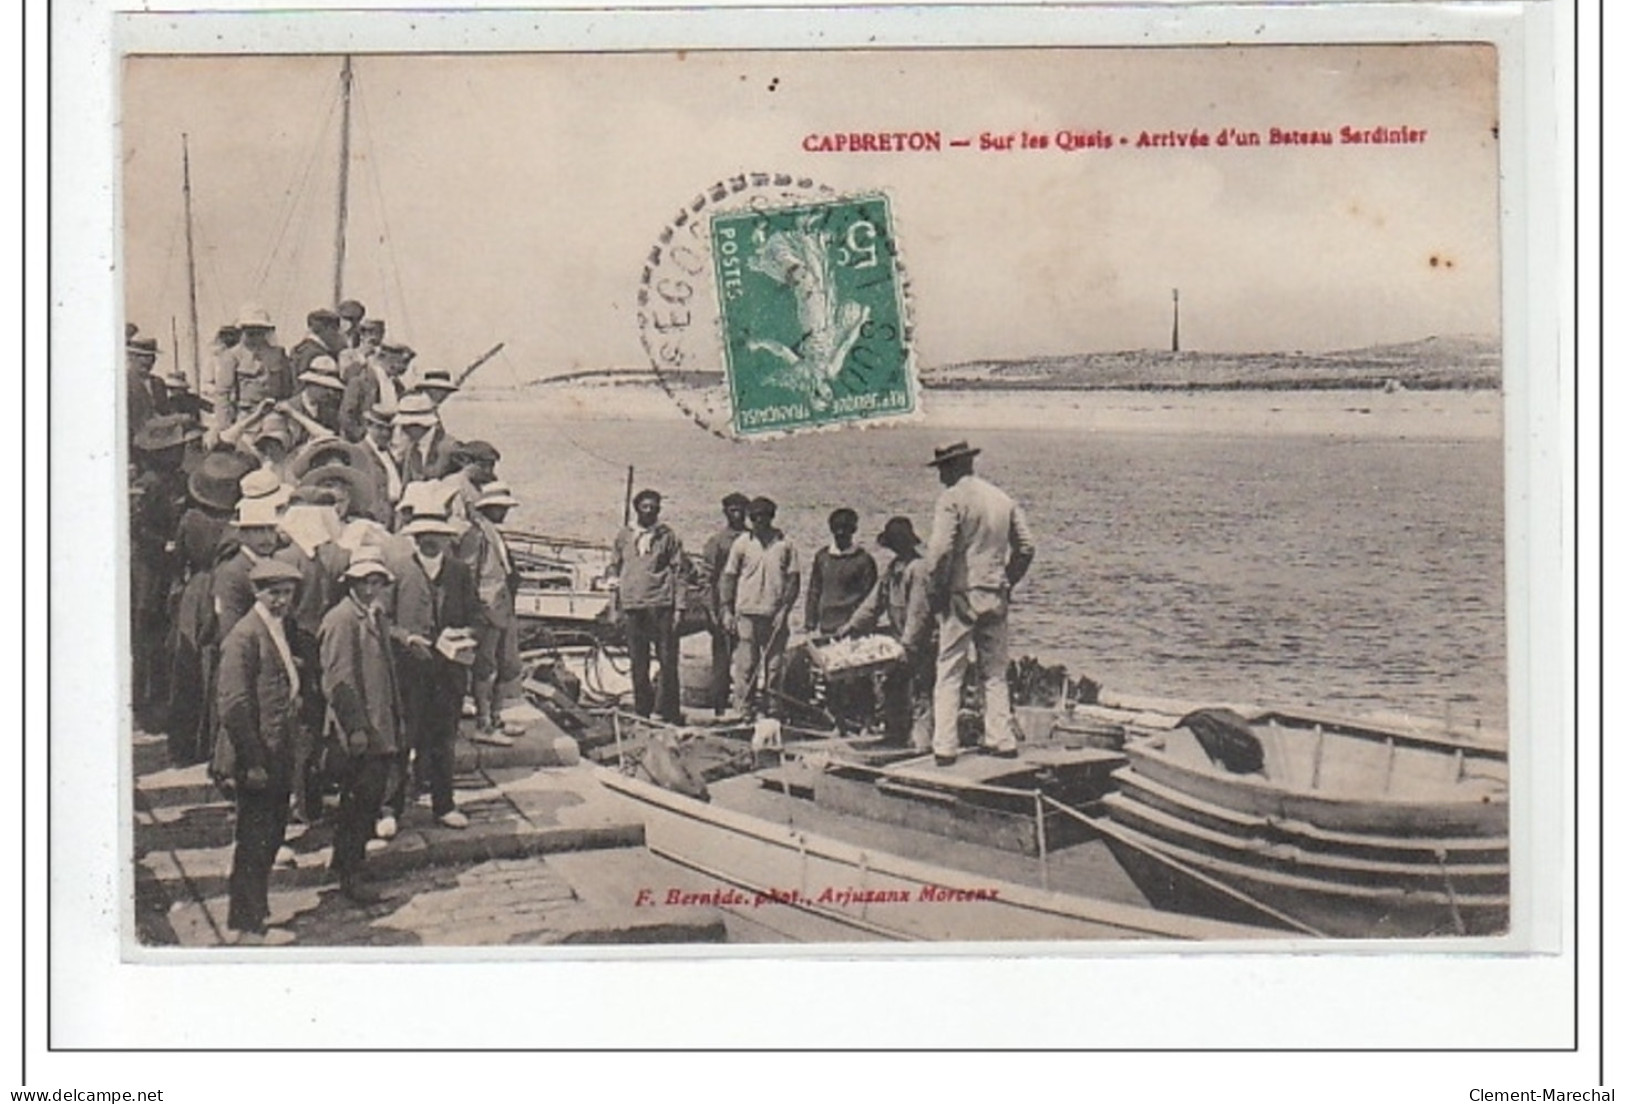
979,619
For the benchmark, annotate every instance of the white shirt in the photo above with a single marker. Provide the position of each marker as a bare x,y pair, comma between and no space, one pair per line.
280,638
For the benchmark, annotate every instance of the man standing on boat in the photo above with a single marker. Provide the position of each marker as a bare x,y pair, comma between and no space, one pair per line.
901,596
147,395
382,466
760,584
426,446
715,558
980,548
647,563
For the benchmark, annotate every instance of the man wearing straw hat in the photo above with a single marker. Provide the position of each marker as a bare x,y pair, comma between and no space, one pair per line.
363,712
257,695
381,465
145,392
426,452
433,603
256,523
314,412
496,660
980,548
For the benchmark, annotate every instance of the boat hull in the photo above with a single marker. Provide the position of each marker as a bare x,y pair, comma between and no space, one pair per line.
878,894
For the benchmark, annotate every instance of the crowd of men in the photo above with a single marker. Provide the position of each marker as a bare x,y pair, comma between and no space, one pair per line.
321,591
319,584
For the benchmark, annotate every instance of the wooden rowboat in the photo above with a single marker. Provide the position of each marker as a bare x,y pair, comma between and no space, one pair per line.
1322,826
870,893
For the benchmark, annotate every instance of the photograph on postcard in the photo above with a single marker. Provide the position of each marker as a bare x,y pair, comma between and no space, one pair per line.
815,496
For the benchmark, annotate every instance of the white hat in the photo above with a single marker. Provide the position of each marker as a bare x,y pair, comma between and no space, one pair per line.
255,316
265,510
496,493
427,496
367,560
425,524
416,409
264,483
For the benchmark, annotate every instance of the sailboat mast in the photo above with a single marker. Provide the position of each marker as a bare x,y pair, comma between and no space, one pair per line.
344,184
191,266
1176,320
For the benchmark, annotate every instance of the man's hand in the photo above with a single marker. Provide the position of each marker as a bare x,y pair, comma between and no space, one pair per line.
420,648
255,778
730,622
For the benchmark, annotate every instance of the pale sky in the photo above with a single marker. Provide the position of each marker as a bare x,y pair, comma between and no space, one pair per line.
521,192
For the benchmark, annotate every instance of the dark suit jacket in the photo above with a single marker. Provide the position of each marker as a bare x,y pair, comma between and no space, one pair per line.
423,608
233,593
415,469
257,708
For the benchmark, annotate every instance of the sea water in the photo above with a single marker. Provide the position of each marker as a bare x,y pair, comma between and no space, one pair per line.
1356,572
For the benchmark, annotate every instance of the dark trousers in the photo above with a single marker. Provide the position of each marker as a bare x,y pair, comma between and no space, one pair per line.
262,818
364,778
432,697
905,695
654,630
722,653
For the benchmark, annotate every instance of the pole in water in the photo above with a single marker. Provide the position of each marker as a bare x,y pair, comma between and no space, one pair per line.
1176,320
626,505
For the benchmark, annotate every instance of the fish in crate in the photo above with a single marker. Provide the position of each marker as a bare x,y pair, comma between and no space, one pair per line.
854,657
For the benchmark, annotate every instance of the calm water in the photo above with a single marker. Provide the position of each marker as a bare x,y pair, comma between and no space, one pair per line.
1351,573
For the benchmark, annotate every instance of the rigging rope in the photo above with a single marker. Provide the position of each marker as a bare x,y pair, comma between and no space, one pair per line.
292,200
393,268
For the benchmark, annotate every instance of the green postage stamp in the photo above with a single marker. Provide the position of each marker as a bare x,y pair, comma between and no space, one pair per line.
813,322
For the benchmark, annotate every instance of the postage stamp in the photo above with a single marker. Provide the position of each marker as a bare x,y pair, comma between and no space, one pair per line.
812,315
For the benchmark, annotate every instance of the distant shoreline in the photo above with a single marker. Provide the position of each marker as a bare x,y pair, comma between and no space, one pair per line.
1437,414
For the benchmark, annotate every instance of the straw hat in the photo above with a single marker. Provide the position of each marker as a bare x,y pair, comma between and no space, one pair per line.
437,379
365,561
142,346
496,493
959,450
254,317
416,409
327,450
324,372
265,510
426,524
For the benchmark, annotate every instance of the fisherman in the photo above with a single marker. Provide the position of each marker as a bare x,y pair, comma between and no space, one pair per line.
363,713
761,581
647,567
252,370
842,574
367,381
157,498
258,703
496,659
433,593
425,447
715,558
381,464
901,597
980,548
145,393
325,339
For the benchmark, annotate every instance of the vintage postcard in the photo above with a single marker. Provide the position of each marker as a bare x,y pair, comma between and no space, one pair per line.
816,497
